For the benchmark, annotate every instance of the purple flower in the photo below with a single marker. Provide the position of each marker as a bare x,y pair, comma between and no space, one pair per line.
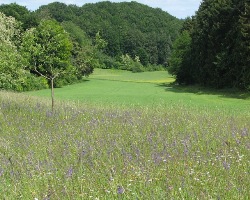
49,114
226,165
70,172
120,190
244,132
1,172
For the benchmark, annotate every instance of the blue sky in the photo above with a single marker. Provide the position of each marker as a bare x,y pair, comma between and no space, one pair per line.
177,8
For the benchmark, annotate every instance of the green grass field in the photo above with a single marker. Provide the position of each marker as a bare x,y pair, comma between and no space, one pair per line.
120,135
119,87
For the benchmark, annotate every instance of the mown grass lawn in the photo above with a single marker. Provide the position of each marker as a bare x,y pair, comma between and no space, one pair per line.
119,87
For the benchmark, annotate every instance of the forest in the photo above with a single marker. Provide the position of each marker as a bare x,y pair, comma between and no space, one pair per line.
213,48
210,48
59,44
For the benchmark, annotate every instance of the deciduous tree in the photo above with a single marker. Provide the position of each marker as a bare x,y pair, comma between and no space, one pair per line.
48,49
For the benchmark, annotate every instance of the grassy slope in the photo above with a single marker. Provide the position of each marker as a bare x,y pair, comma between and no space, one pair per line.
149,88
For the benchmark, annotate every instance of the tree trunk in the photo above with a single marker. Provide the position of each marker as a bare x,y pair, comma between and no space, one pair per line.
52,94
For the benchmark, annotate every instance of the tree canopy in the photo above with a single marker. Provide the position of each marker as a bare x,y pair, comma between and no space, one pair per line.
48,48
21,14
13,73
219,48
128,27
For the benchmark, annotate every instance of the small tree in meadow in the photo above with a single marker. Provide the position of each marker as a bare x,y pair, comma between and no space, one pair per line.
48,51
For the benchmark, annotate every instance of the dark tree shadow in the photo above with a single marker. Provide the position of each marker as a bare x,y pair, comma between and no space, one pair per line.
199,90
77,82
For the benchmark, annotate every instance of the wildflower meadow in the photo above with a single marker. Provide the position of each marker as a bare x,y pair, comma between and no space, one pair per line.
84,151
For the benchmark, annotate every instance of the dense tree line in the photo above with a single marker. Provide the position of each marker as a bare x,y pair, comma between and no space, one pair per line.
213,48
128,28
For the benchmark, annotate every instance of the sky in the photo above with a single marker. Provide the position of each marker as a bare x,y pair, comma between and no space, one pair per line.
178,8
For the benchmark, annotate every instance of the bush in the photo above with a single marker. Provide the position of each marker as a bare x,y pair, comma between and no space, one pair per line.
155,67
110,63
25,82
137,67
32,82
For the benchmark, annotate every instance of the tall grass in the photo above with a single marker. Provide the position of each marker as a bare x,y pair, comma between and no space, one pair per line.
92,152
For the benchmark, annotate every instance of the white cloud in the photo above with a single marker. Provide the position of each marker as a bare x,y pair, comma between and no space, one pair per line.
178,8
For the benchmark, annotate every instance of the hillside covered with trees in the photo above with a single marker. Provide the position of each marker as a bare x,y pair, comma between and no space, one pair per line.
128,28
59,44
213,48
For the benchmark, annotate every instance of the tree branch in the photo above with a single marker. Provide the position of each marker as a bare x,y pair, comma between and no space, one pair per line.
41,74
